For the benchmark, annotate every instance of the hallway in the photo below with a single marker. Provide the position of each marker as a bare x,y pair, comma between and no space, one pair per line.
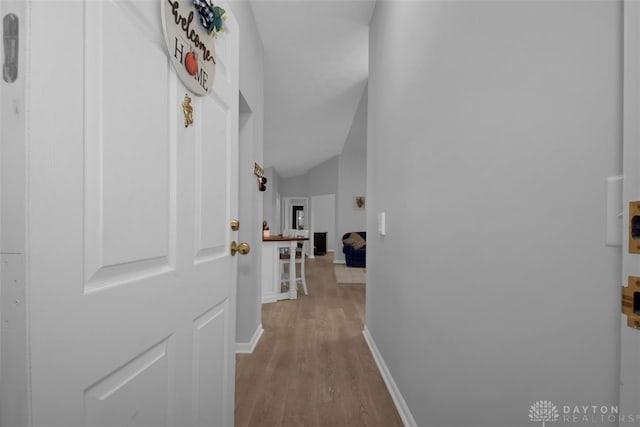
312,366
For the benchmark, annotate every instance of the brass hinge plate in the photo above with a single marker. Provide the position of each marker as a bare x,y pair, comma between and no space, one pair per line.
631,302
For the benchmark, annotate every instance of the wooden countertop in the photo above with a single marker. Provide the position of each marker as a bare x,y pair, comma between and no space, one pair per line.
283,239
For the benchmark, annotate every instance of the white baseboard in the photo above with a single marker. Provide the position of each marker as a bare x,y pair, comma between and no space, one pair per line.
266,299
248,347
339,261
398,400
331,250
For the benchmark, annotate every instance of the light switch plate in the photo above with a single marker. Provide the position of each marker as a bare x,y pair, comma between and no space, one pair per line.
382,223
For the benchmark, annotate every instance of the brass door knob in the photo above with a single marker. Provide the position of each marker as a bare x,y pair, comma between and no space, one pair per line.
243,248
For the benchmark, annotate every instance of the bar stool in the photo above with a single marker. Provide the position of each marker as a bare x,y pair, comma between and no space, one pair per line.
299,259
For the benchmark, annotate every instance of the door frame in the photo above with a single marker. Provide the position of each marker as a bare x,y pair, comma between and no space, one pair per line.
288,204
249,284
14,356
286,216
629,338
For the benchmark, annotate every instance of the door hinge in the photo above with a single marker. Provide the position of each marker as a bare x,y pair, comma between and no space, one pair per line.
10,37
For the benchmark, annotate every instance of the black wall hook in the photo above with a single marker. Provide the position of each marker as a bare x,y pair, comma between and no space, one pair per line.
262,180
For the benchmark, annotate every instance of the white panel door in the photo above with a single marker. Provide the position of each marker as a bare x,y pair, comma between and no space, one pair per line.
131,282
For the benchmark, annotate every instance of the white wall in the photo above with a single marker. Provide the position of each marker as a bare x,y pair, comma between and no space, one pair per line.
323,179
295,186
270,196
352,178
323,187
268,199
249,307
323,217
319,180
492,127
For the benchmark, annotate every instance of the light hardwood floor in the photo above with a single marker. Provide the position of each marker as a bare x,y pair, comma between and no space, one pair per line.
312,366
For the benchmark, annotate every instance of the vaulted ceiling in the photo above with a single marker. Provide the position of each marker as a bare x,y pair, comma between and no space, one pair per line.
316,67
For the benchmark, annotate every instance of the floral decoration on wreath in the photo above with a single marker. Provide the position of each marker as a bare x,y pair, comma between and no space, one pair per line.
211,17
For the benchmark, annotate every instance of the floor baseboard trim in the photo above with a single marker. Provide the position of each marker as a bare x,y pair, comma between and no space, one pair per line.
339,261
248,347
266,299
396,396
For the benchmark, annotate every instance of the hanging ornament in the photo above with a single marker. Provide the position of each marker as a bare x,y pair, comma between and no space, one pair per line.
187,109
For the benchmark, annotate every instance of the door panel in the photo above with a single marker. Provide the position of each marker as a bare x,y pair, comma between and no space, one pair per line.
212,182
131,282
126,244
123,398
210,329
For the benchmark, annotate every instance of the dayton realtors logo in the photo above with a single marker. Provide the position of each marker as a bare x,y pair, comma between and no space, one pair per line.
543,411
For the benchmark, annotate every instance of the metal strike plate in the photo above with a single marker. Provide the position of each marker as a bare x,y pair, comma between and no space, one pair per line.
634,227
631,302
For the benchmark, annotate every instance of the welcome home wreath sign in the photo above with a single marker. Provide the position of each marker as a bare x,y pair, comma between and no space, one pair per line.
190,28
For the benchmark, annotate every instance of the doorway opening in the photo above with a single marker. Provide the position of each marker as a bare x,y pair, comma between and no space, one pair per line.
248,306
